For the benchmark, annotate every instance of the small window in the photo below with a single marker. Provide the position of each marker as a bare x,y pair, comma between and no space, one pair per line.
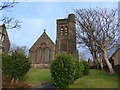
66,31
61,34
61,28
66,34
65,28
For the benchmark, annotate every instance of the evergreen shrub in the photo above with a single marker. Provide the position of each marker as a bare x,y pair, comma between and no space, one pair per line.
63,70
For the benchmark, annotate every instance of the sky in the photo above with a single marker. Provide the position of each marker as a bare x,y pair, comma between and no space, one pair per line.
37,16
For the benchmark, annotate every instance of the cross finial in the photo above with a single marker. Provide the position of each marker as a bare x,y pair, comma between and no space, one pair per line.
44,30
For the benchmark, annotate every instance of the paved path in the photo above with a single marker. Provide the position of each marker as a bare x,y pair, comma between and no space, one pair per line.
47,85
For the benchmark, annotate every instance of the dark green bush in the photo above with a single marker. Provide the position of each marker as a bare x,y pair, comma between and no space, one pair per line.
15,65
63,70
79,70
6,63
86,68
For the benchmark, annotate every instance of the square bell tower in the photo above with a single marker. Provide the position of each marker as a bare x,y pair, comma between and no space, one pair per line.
66,35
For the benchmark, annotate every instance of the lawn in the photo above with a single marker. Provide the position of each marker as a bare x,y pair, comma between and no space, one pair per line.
37,76
96,79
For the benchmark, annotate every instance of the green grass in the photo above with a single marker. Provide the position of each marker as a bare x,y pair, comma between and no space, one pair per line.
97,79
37,76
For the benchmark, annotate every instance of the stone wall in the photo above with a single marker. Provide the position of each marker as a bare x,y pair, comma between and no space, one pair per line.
40,66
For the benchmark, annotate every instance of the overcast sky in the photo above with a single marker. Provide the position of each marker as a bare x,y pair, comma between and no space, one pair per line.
37,16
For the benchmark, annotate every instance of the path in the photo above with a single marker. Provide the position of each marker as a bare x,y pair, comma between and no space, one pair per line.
47,85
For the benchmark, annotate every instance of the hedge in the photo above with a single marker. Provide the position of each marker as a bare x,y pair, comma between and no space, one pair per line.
15,65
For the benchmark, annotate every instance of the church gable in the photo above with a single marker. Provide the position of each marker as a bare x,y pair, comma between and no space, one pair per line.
42,52
44,38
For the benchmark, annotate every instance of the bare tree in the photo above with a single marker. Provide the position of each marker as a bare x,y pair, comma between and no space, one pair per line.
7,4
99,25
84,38
10,22
22,49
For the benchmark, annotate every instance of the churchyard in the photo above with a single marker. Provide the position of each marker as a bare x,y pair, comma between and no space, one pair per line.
36,77
60,62
96,79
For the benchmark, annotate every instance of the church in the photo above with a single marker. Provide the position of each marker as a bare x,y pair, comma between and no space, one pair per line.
44,49
4,39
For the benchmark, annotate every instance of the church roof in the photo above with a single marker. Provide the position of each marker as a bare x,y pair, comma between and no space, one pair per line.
42,37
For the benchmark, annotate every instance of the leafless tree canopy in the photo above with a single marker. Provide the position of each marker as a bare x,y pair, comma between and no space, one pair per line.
99,25
7,4
10,22
22,49
97,29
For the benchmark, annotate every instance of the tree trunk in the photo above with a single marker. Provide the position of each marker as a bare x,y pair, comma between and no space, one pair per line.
97,64
101,65
108,63
95,59
16,81
12,81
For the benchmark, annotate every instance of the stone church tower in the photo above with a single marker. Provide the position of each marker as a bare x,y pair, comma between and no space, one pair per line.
66,35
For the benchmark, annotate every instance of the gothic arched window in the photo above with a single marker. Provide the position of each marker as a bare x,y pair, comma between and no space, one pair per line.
47,55
38,55
42,54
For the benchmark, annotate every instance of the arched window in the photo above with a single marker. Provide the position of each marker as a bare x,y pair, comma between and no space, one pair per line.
42,54
38,55
47,55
